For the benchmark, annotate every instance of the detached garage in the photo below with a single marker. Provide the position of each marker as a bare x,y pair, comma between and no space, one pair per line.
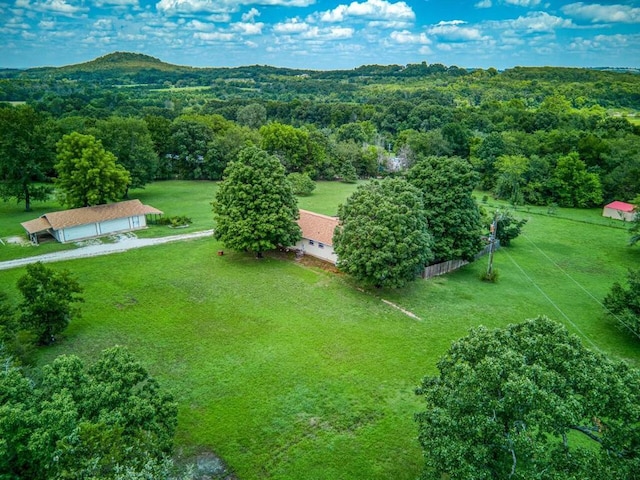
619,211
90,222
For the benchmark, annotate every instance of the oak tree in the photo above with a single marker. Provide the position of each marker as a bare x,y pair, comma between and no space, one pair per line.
529,401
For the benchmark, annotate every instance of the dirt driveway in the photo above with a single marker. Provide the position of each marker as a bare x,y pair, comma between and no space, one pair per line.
123,244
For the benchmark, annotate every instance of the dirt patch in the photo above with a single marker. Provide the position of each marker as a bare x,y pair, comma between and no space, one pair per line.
206,466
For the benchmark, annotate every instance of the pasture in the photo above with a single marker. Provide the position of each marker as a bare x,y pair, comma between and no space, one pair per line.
289,371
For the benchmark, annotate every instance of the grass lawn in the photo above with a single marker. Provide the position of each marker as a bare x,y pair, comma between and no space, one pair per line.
288,371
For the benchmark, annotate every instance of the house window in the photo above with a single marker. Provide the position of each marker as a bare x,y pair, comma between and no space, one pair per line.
311,242
321,245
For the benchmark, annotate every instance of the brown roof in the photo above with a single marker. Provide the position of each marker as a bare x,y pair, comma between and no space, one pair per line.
316,226
85,215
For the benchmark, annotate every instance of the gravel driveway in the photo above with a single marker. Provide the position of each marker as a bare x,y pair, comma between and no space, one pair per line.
124,244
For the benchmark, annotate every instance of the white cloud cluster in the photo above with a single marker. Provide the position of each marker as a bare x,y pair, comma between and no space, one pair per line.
455,31
61,7
177,7
597,13
370,10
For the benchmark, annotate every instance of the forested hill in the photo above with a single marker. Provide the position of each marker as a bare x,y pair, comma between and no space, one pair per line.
126,68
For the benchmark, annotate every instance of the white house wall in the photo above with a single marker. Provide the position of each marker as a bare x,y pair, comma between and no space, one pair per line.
91,230
317,249
618,214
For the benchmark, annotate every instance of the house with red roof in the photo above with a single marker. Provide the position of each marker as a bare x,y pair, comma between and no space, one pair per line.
317,235
619,211
90,222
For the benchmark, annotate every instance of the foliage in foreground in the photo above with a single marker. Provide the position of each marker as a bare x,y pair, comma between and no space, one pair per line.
511,402
383,238
624,302
48,301
83,422
255,208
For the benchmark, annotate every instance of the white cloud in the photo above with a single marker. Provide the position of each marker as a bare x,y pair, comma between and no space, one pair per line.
117,3
213,6
522,3
250,15
331,33
370,9
47,24
62,7
483,4
199,26
597,13
103,24
291,26
214,36
407,37
539,22
250,28
453,31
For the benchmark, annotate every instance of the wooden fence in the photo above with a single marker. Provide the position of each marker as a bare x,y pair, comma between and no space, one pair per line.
451,265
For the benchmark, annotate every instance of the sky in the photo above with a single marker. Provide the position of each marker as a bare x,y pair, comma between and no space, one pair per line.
324,35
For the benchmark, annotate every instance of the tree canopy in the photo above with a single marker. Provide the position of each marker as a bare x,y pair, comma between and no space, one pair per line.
382,239
529,401
25,159
87,173
623,302
78,421
255,208
453,217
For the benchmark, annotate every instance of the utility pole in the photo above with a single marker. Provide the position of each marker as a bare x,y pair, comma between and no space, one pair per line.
492,242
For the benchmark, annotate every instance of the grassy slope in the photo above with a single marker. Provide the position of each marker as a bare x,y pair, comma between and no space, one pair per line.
292,372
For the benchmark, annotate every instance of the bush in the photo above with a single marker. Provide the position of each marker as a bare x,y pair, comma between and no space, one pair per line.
301,183
491,277
175,221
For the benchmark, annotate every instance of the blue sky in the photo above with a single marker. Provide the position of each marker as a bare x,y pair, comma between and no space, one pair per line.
323,35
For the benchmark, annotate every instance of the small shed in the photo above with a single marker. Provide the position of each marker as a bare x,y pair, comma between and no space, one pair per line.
317,235
90,222
619,211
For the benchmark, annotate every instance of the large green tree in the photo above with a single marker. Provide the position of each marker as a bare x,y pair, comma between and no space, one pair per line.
87,173
453,216
25,159
48,301
130,141
530,401
255,208
73,421
575,186
383,239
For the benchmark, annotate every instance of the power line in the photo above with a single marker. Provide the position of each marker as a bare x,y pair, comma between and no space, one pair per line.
552,302
579,285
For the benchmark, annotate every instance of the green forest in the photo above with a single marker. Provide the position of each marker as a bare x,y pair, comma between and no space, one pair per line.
540,136
232,356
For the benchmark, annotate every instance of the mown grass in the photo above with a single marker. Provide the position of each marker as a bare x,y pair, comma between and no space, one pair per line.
291,372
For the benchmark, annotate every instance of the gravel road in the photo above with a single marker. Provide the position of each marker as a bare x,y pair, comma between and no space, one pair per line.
126,243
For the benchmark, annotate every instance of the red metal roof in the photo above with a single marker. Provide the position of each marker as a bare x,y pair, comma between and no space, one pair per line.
622,206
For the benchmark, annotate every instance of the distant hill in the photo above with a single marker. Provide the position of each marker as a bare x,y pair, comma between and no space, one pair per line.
123,60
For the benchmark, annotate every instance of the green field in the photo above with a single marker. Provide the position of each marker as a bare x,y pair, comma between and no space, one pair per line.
288,371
